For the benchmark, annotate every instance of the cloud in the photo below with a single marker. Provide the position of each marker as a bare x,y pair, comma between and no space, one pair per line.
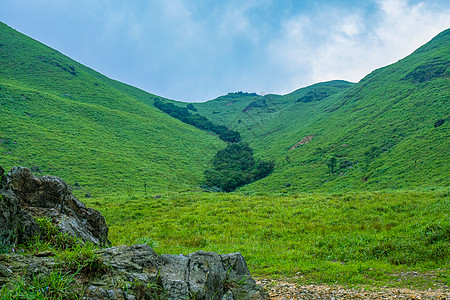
403,27
197,50
337,43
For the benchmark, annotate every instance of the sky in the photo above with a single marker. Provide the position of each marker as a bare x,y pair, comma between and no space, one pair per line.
197,50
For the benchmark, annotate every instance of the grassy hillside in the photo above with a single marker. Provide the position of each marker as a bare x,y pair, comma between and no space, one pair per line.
391,130
61,118
251,113
377,134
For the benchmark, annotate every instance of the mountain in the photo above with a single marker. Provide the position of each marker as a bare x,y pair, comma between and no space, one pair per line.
61,118
388,131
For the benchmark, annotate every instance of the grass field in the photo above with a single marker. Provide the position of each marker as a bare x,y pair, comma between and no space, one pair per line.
398,238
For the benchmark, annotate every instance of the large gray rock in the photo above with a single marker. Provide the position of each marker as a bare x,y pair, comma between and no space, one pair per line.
24,197
200,275
9,222
16,225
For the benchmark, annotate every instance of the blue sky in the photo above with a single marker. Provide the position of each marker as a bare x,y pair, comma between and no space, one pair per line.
196,50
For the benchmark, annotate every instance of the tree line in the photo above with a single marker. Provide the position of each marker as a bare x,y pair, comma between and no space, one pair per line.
183,114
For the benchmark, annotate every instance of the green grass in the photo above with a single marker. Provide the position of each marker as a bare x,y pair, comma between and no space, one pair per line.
74,262
54,286
366,238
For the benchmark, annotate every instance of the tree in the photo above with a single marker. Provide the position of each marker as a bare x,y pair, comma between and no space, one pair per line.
183,114
235,166
332,164
191,106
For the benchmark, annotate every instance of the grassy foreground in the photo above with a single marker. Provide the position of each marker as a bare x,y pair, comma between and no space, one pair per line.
398,238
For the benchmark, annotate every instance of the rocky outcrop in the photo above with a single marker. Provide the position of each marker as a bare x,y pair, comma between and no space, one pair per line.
137,272
124,272
200,275
24,197
2,178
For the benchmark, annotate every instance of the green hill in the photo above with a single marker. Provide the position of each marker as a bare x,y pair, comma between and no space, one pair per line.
61,118
390,130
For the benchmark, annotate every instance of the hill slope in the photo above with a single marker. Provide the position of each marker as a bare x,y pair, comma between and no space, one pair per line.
379,133
390,130
62,118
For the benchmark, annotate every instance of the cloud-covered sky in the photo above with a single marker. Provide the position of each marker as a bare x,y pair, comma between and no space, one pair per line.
196,50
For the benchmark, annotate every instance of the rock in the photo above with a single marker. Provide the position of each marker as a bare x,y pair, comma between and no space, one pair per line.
26,197
206,275
44,254
200,275
2,178
238,275
173,275
13,220
5,272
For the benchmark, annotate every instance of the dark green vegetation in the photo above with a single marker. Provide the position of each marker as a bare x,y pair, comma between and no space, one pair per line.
235,166
61,118
73,259
198,121
369,238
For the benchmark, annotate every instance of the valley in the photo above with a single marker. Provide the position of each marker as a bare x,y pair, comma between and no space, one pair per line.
359,191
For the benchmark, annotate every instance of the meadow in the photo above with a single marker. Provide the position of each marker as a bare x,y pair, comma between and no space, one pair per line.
389,238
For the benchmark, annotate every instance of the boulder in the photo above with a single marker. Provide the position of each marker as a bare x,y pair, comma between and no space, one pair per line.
25,197
200,275
16,226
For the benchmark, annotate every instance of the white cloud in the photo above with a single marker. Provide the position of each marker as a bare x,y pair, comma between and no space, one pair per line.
235,22
338,44
404,27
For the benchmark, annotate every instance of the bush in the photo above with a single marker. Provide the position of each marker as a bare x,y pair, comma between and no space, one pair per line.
235,166
439,123
191,106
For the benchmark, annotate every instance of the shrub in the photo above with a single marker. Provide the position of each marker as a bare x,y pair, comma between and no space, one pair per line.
191,106
439,123
235,166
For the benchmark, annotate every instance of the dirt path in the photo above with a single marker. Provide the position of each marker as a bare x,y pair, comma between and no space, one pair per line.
284,290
